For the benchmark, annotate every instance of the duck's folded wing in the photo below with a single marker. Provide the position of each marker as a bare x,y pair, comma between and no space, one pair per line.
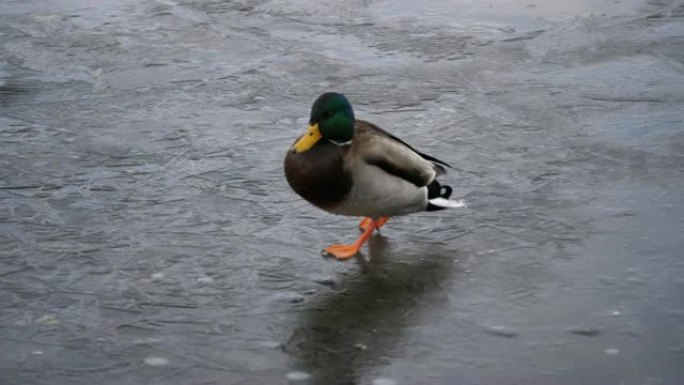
399,160
439,164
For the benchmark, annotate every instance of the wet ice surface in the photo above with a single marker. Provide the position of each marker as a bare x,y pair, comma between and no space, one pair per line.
148,235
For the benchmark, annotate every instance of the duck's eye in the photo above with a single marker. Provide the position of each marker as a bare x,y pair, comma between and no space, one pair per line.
327,114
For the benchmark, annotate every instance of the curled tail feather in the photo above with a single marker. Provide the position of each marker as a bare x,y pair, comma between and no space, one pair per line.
438,197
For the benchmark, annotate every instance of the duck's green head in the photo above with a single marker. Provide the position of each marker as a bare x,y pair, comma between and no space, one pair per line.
332,119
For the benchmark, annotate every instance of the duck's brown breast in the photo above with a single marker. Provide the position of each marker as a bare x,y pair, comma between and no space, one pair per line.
318,175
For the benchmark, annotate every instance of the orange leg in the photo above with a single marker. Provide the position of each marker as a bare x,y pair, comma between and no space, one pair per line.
381,222
365,222
342,252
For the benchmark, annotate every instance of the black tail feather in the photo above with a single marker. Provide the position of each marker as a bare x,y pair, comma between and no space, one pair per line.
436,190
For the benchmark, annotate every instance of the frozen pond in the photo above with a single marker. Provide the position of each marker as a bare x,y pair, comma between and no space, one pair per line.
148,236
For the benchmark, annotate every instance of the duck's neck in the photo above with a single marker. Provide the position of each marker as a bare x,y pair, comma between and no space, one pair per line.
347,143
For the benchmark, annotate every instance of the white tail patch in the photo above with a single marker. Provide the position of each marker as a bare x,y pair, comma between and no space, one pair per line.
447,203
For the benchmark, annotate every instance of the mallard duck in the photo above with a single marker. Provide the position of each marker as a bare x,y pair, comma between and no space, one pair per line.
352,167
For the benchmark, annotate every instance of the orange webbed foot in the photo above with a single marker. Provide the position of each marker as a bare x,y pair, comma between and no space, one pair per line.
342,252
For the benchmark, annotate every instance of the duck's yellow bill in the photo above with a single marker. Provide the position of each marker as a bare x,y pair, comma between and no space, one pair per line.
310,137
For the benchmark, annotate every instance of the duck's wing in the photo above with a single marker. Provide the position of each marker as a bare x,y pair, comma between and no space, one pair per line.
432,159
379,148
